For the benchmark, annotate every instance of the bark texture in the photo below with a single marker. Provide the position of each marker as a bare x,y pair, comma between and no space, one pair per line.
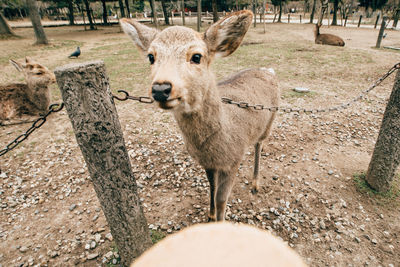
86,93
386,156
41,37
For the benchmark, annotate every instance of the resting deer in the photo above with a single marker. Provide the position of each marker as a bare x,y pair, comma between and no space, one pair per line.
216,134
30,98
217,245
326,38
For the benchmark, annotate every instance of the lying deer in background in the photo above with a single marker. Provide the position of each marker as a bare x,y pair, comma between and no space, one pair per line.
216,134
326,38
32,98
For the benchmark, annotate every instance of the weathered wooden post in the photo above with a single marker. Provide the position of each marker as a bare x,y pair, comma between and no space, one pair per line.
87,97
381,30
386,156
288,18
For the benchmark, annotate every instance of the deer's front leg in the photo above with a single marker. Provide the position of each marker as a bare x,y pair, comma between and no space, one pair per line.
224,186
211,176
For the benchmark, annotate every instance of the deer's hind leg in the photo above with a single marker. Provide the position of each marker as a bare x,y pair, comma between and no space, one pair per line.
257,154
212,176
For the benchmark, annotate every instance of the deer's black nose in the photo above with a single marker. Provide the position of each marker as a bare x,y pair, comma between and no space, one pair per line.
161,91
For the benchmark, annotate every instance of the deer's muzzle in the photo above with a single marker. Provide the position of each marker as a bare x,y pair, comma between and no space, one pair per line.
161,91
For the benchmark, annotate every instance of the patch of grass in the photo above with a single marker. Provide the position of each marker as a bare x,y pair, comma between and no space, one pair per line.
156,236
114,260
382,198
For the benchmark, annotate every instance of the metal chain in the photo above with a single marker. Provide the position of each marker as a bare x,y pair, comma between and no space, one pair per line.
36,125
148,100
142,99
246,105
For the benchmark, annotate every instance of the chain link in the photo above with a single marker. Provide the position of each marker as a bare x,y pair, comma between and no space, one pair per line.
246,105
36,125
142,99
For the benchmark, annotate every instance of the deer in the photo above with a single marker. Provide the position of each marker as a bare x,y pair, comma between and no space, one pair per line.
26,99
220,244
326,38
216,135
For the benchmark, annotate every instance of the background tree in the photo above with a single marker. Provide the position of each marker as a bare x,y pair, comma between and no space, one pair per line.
121,8
128,11
89,14
71,12
215,10
103,4
280,4
313,11
165,11
335,9
5,29
33,11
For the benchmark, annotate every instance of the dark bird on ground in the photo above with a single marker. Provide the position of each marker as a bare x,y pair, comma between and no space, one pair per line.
384,35
76,53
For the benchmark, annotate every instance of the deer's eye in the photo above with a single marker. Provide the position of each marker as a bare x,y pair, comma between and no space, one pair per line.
151,58
196,58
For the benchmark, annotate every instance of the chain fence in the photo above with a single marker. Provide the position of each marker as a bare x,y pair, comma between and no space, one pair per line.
148,100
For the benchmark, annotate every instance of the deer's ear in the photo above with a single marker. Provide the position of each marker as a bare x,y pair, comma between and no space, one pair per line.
225,36
17,65
141,35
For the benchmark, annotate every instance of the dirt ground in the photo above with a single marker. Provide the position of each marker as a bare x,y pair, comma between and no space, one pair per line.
312,193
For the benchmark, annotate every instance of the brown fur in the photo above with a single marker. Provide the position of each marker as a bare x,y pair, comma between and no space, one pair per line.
220,244
216,134
32,98
326,38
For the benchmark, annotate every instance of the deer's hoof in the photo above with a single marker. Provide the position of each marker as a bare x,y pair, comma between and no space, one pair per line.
211,218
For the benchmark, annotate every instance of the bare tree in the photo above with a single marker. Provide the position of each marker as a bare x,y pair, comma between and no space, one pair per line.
5,28
127,9
335,9
103,3
215,10
313,11
89,14
121,8
33,11
165,11
71,12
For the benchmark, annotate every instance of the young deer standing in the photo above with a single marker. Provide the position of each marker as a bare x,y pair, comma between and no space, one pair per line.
326,38
216,134
32,98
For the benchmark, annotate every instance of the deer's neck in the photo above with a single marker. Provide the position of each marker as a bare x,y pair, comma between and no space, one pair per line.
39,95
198,126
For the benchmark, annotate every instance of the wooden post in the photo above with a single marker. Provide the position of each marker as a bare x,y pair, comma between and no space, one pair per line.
345,21
255,12
359,21
198,15
376,21
386,156
87,97
381,30
288,18
300,18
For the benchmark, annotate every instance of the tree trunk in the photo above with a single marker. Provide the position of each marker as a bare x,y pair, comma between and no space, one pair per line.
386,156
71,12
87,97
396,15
313,11
198,15
127,9
335,9
5,28
381,30
215,10
324,6
103,3
154,10
165,12
183,12
280,11
89,14
121,8
41,37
